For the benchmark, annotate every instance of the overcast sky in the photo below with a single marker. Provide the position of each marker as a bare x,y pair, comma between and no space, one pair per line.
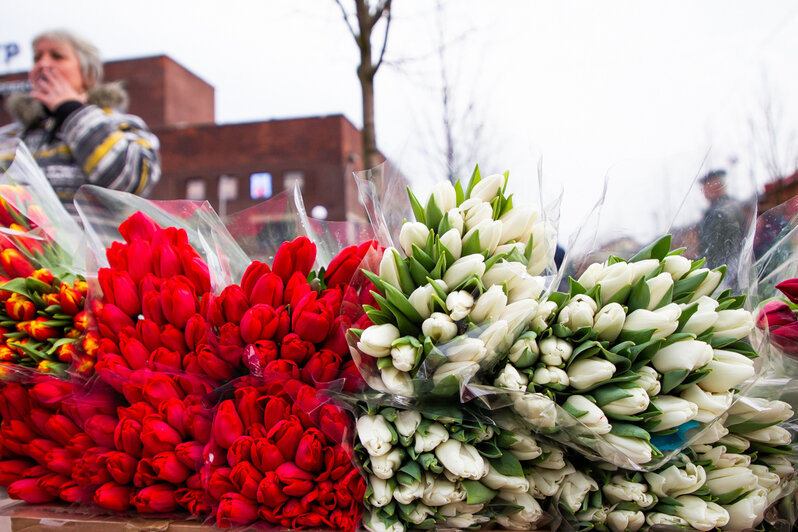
640,91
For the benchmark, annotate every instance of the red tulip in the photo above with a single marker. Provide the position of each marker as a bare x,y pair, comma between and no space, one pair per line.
324,495
197,332
158,498
322,367
137,411
112,320
38,449
90,468
353,380
296,256
15,264
312,318
333,422
286,368
253,273
257,356
258,323
296,482
18,430
116,254
283,322
213,366
165,359
337,463
194,482
227,425
157,437
174,339
309,451
267,290
61,428
775,314
138,226
149,333
235,510
145,474
20,308
257,431
72,492
165,258
786,338
199,423
121,466
126,437
190,454
232,303
219,483
170,468
265,455
101,429
246,477
295,289
28,490
120,289
79,444
112,496
178,301
12,470
160,387
195,269
50,391
286,435
295,348
139,259
14,402
152,307
270,491
149,283
240,450
134,351
790,289
37,420
192,500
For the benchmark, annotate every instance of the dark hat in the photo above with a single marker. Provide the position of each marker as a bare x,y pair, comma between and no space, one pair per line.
719,174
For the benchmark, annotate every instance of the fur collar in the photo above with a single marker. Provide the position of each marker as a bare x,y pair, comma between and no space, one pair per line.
29,112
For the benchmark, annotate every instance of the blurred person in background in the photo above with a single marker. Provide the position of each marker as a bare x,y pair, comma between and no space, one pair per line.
74,124
722,228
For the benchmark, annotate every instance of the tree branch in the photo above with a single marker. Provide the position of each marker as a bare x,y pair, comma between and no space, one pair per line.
387,7
346,19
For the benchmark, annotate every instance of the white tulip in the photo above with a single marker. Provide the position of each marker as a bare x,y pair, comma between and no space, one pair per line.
439,327
676,265
456,220
675,412
459,304
376,340
464,371
648,379
546,482
536,409
464,349
463,268
635,402
619,489
413,233
385,466
579,312
554,351
466,520
403,357
439,491
444,195
488,187
575,488
419,513
765,478
781,465
711,433
642,268
397,382
496,338
703,318
664,320
461,459
375,435
615,278
749,511
520,285
489,306
708,285
406,423
550,376
554,459
588,413
685,354
490,232
721,459
460,507
518,314
701,515
389,272
657,288
590,277
594,515
510,248
728,369
723,481
527,516
733,323
434,435
676,481
525,447
496,481
588,372
474,211
509,377
759,410
657,518
382,493
421,298
452,241
406,494
634,449
609,321
774,435
524,352
733,441
518,222
544,314
710,405
625,520
373,523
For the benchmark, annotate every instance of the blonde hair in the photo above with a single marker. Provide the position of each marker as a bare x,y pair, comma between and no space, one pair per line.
91,66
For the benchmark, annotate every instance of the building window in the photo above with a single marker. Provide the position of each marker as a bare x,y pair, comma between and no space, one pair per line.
260,185
195,189
228,188
294,178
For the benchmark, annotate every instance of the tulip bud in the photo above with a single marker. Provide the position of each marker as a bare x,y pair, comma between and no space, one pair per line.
664,321
625,520
543,316
710,405
721,459
490,232
406,423
729,479
774,435
428,436
685,354
376,340
489,305
587,372
497,481
375,435
647,378
518,222
464,349
510,378
381,492
452,241
575,488
523,519
404,353
413,233
461,459
748,511
634,449
421,298
676,265
728,369
520,284
675,481
658,287
444,195
463,268
459,304
488,187
609,321
462,371
588,414
675,412
733,323
711,434
407,493
759,410
551,377
456,220
439,327
397,382
555,351
615,278
709,284
388,270
535,408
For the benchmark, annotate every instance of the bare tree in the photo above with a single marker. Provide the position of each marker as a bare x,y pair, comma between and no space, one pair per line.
773,143
361,25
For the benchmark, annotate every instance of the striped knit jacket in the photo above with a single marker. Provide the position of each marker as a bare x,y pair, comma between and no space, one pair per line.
96,144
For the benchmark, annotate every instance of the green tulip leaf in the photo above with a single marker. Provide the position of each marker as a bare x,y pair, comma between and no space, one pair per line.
475,178
398,300
423,257
418,272
574,288
672,379
639,296
656,250
471,244
418,210
432,213
413,470
630,431
608,394
477,493
458,193
687,285
619,297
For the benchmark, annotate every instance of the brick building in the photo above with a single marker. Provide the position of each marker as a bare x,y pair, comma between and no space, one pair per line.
233,166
